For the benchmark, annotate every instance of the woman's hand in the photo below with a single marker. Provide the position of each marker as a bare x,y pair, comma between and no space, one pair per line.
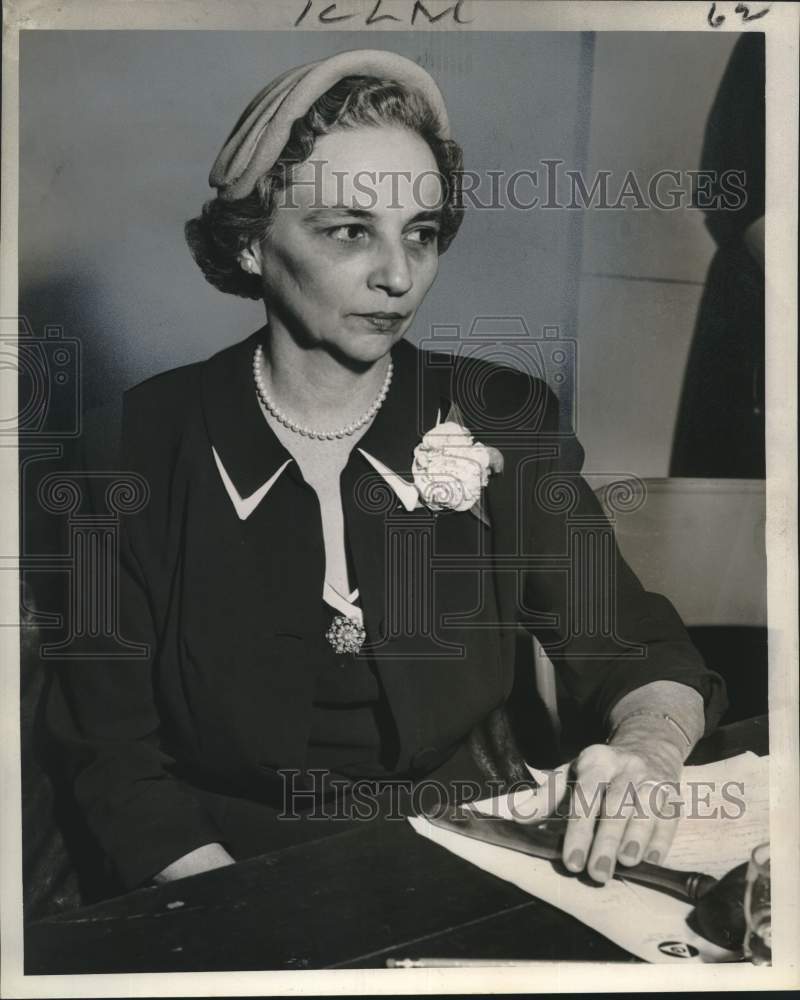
202,859
624,803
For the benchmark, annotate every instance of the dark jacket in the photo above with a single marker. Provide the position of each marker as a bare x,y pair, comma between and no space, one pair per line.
228,606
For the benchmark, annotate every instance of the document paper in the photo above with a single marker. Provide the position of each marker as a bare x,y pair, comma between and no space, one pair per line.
725,816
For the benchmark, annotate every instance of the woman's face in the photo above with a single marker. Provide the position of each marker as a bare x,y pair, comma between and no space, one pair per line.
353,236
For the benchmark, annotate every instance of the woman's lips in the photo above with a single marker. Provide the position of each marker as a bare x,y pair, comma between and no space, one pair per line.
385,322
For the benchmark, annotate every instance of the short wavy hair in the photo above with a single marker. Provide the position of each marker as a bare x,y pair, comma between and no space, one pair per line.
218,235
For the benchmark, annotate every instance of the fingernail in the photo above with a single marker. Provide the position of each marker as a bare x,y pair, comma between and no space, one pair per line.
654,857
603,865
575,860
631,849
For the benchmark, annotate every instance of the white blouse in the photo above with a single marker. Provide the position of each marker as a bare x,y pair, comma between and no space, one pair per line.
321,463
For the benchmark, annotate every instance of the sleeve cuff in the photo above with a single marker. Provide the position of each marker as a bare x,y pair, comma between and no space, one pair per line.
144,834
136,867
679,702
708,684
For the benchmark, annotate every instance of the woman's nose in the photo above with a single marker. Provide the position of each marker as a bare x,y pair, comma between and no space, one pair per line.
391,272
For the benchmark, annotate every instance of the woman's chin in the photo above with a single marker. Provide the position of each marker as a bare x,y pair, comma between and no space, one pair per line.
366,350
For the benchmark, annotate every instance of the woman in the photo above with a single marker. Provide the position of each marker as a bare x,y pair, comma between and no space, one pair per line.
278,574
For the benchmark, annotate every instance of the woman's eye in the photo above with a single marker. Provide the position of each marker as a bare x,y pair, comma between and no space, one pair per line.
424,236
350,233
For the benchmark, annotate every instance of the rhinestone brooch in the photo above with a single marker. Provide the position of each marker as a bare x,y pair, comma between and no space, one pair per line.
346,635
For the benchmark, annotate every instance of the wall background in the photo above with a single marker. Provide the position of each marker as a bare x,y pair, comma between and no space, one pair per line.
642,272
119,130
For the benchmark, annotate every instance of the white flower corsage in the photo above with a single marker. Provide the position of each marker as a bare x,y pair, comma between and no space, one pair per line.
451,469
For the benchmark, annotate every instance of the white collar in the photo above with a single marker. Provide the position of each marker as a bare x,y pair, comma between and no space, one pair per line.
406,492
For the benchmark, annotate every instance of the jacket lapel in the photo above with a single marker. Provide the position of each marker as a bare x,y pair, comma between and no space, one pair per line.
376,516
371,498
273,524
393,541
244,445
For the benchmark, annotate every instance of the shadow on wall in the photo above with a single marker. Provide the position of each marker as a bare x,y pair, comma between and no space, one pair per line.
75,306
64,370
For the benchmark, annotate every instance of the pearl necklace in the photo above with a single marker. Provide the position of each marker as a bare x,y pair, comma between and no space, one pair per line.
346,431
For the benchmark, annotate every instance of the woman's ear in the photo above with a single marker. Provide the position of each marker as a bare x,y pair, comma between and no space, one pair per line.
250,260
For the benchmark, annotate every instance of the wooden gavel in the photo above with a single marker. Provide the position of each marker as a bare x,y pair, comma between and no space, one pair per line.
719,903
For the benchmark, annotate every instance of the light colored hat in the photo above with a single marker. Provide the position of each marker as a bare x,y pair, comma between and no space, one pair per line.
262,131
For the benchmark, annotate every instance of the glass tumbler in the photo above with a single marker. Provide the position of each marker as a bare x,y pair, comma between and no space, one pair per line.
758,918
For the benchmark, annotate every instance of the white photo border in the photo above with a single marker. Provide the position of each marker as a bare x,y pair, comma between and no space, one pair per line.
781,30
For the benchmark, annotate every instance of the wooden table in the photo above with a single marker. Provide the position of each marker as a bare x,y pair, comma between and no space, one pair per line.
351,900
